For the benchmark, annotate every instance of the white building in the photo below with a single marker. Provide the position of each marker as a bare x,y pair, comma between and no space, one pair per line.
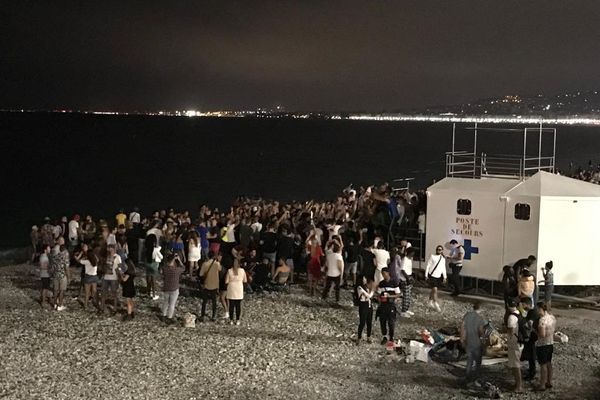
499,221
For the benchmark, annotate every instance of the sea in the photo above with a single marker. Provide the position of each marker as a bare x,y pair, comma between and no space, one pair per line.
56,164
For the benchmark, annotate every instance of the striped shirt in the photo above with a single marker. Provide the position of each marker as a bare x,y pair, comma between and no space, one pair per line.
390,287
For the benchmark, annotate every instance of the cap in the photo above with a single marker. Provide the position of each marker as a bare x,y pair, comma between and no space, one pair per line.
453,241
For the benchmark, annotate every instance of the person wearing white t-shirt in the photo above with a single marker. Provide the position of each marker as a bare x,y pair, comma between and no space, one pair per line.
406,283
135,216
457,254
90,277
333,229
110,284
73,231
382,259
435,273
335,268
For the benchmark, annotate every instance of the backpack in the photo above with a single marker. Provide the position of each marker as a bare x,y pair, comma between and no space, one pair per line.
524,330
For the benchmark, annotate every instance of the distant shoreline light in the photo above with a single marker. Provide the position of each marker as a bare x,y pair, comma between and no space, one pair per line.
498,119
486,119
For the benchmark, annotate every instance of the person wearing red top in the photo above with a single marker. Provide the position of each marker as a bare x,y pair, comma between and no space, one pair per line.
314,264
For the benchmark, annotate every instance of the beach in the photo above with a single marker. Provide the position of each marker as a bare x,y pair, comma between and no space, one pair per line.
288,345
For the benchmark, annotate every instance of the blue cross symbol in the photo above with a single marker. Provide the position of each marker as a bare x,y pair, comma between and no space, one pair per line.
469,249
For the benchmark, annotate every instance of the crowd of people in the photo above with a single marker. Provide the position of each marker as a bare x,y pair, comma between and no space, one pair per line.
272,243
365,241
588,173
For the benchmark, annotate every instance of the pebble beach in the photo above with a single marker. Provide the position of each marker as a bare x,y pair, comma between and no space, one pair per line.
288,346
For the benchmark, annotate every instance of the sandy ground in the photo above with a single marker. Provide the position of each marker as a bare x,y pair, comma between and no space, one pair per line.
288,346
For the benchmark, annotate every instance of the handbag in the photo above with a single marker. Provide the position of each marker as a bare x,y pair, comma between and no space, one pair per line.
429,276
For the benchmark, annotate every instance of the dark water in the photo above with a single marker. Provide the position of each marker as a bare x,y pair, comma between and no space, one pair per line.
60,164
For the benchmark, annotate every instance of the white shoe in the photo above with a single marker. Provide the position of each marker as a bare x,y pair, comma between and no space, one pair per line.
226,315
437,307
155,297
61,308
231,322
237,323
405,314
410,312
430,304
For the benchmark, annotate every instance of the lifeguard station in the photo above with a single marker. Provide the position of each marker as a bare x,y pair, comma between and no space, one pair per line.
505,207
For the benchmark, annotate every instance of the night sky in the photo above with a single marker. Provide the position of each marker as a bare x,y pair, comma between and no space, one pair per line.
305,55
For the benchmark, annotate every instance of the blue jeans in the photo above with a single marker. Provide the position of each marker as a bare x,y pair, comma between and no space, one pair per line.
473,362
169,302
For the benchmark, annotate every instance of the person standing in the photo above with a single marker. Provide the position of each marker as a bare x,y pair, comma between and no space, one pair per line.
471,331
90,276
523,263
387,292
171,273
59,264
194,253
364,294
121,217
135,218
209,275
335,269
457,254
528,353
268,245
406,282
110,283
153,258
510,289
46,292
235,279
548,284
351,251
527,286
395,264
435,273
514,347
367,264
314,264
127,282
203,235
382,259
544,346
74,231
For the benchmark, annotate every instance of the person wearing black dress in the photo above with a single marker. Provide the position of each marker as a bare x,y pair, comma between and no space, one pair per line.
127,282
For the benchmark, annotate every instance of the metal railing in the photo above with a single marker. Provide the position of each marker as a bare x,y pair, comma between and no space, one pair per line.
467,165
471,164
